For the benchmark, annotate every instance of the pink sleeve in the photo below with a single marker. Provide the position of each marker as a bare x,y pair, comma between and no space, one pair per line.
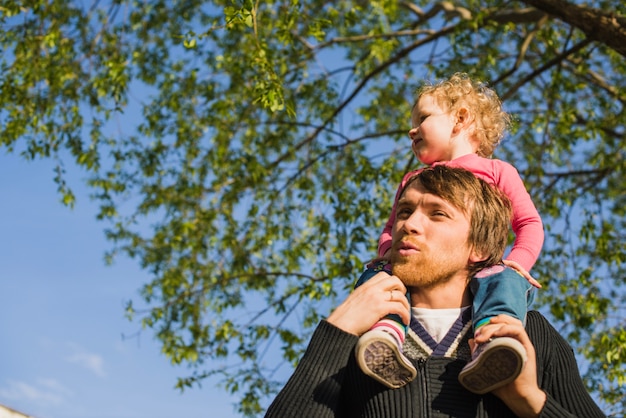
526,222
384,242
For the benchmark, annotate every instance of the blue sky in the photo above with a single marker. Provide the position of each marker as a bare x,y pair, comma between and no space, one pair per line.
61,310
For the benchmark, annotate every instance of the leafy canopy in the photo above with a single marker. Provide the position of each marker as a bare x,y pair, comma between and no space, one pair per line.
246,154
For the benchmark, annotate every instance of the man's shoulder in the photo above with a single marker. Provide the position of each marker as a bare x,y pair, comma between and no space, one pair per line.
536,315
536,318
540,330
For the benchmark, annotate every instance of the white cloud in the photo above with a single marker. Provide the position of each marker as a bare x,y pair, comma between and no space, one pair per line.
44,391
91,361
54,385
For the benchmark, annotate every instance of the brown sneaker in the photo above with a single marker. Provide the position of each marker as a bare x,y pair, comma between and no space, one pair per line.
494,364
379,355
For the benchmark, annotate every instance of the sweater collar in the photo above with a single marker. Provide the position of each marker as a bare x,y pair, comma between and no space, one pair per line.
420,344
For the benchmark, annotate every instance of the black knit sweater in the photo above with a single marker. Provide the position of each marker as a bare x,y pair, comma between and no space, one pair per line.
329,383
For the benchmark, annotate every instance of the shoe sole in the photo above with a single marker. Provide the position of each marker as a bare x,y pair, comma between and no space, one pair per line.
381,360
495,367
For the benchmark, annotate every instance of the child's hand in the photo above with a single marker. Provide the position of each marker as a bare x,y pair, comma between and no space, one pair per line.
514,265
386,258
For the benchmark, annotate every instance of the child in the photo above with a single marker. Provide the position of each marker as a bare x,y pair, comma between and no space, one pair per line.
459,122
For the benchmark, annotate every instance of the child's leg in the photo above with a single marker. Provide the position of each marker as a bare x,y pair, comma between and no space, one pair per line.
379,350
497,290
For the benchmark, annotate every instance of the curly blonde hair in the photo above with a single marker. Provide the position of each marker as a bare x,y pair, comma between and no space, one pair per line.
489,119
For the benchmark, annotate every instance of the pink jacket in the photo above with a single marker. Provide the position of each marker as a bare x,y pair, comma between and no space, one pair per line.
526,222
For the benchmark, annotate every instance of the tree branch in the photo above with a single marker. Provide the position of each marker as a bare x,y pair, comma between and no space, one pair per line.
554,61
361,85
608,28
522,51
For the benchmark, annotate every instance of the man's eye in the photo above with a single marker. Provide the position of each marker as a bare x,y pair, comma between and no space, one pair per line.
403,213
439,213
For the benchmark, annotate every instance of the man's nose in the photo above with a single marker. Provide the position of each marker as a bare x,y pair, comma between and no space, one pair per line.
415,223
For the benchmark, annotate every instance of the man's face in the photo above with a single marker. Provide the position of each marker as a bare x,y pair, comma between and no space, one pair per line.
429,239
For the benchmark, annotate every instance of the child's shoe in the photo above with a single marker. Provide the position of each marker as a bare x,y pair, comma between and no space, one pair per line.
379,355
494,364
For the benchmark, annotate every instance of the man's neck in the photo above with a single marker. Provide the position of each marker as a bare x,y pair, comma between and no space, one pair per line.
454,293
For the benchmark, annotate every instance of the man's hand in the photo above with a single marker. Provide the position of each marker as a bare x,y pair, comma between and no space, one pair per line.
523,396
379,296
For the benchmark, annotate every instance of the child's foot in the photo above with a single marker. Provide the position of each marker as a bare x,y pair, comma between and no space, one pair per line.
379,355
494,364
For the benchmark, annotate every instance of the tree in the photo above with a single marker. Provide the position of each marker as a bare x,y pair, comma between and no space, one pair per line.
246,153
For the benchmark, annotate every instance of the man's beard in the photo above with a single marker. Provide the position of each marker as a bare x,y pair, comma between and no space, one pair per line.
422,272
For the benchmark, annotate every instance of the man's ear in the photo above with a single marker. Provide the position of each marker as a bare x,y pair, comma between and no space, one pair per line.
476,257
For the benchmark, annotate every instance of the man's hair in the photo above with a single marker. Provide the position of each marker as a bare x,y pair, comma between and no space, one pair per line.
488,209
490,120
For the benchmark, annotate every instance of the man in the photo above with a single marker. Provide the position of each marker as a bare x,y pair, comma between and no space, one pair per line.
448,225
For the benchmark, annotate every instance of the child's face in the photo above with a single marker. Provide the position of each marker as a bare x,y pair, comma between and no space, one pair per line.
432,128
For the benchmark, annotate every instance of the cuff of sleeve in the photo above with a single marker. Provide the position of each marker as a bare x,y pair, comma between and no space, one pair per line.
329,337
552,409
328,351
